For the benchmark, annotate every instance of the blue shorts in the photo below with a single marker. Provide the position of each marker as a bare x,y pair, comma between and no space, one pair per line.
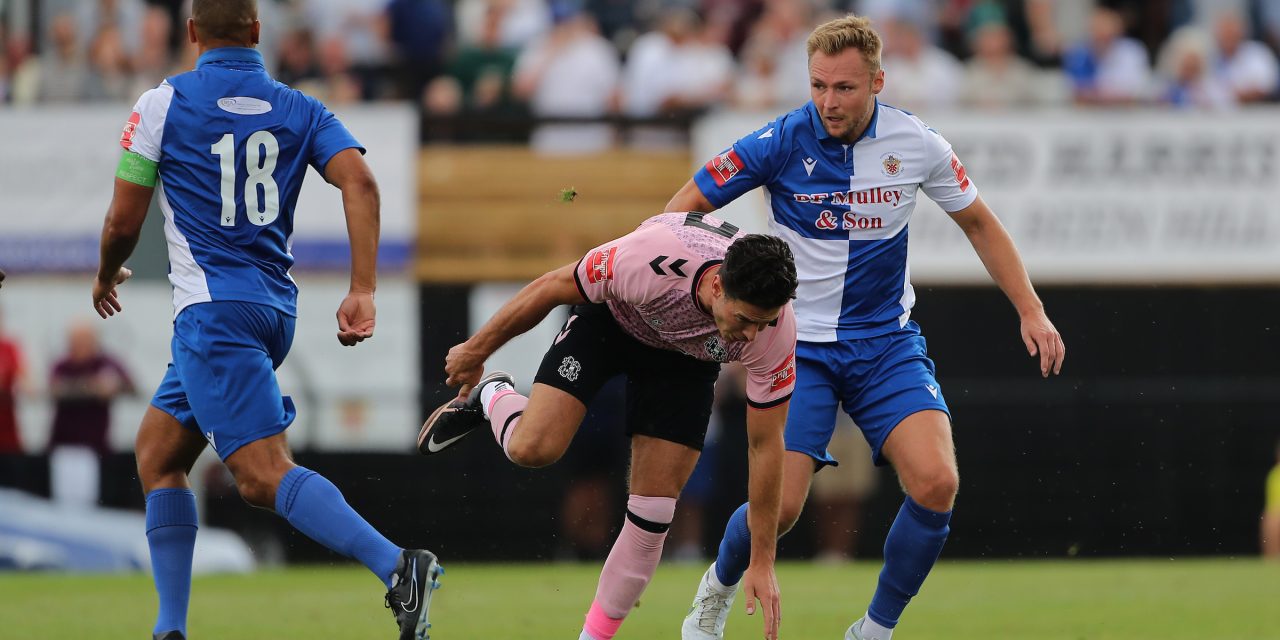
222,381
879,381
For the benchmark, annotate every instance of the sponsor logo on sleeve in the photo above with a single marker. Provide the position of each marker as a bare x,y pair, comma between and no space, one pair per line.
600,265
962,178
725,166
126,136
785,375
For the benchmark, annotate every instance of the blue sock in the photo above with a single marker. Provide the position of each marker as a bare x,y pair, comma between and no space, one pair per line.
735,549
910,549
315,507
171,536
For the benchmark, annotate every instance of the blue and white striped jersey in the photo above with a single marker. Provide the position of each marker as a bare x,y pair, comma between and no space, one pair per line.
844,209
232,147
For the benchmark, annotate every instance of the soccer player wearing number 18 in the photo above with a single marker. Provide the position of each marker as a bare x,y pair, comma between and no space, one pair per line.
224,148
842,174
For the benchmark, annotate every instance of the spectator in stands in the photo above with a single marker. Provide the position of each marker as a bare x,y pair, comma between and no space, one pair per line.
340,84
1247,67
780,32
995,77
483,68
677,69
353,46
108,78
1108,69
1268,27
299,67
152,58
1270,527
4,70
921,74
420,34
12,380
1187,73
522,21
571,72
63,72
83,384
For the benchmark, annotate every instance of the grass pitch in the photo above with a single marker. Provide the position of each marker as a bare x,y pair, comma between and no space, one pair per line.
1052,600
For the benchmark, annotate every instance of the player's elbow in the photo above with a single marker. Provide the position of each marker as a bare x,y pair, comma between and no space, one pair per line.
119,229
361,184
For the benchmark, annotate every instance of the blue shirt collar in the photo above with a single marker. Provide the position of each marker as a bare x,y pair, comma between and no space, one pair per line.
821,131
231,54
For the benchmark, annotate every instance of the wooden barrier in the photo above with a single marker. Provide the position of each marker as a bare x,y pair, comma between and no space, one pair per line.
496,213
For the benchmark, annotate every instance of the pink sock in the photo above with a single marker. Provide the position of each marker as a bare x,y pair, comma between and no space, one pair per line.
504,415
631,564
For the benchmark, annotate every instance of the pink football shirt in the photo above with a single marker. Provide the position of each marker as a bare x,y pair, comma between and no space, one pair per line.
649,278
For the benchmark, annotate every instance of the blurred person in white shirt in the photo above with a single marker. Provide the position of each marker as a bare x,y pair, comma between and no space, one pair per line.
680,67
1108,68
523,21
571,72
1248,67
923,75
995,77
1185,67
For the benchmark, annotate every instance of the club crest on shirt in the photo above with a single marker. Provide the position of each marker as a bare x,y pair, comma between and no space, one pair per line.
891,164
715,349
600,264
569,369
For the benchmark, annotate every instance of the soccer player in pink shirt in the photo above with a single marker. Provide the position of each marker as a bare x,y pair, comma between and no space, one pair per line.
665,305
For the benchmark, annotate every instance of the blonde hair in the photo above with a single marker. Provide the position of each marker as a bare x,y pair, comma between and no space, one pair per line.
849,32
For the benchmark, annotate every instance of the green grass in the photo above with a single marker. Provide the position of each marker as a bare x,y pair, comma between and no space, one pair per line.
1075,600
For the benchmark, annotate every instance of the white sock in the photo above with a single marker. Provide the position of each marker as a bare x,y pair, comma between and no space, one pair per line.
872,630
714,580
488,391
585,636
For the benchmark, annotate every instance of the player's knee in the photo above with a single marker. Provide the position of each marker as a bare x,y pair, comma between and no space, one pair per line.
153,474
937,491
532,453
257,491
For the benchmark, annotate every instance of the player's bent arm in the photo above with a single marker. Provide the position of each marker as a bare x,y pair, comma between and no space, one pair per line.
995,248
764,491
361,201
123,225
529,307
689,198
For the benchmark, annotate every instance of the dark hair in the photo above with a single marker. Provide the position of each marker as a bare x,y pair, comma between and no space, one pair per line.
759,270
229,20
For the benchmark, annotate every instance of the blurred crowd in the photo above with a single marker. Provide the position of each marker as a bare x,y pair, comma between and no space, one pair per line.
655,60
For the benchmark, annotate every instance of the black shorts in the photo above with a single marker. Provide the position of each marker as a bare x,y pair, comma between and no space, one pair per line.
669,394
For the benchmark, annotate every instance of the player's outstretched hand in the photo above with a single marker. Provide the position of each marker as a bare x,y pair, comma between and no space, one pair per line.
463,366
1042,339
356,318
760,583
105,300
